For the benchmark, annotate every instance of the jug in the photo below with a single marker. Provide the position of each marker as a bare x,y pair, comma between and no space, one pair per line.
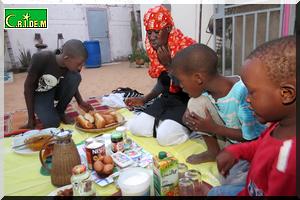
64,157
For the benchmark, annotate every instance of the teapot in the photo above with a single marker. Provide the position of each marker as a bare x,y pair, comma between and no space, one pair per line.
64,157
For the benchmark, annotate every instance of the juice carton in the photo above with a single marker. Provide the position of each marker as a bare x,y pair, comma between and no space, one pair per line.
165,174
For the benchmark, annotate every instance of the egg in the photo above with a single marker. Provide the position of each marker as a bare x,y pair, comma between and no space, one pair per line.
108,169
108,160
98,166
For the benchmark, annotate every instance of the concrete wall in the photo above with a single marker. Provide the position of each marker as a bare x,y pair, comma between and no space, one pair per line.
71,21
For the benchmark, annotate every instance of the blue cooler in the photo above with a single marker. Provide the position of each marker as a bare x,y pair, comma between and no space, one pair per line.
94,54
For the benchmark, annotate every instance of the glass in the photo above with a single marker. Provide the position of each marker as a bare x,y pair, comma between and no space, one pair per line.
82,182
182,168
186,187
195,176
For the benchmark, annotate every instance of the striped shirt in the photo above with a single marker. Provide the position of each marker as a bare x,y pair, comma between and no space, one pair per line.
235,112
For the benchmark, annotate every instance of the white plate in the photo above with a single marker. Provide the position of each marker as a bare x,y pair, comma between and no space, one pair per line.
54,192
19,140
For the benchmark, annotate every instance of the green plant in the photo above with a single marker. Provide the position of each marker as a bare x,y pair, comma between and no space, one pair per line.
138,54
25,58
134,32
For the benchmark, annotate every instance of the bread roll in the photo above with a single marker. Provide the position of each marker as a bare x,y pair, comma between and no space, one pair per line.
89,117
117,116
109,119
84,123
99,121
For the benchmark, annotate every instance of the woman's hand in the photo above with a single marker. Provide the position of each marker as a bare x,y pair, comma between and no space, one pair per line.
135,101
164,55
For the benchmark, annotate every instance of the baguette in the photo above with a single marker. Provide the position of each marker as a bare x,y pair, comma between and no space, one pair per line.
117,116
109,119
84,123
89,117
99,121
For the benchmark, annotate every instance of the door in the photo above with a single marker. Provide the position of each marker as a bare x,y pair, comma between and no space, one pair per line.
98,30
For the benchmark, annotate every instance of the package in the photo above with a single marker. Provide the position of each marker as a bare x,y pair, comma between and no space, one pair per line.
165,174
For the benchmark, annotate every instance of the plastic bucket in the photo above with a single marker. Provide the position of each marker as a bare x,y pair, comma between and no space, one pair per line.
94,54
135,182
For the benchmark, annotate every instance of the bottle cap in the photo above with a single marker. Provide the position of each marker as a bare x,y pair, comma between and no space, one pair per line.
121,129
162,154
116,135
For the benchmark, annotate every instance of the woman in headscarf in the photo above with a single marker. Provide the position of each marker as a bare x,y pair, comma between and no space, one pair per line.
163,119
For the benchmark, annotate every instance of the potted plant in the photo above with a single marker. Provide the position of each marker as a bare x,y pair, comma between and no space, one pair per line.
24,58
139,57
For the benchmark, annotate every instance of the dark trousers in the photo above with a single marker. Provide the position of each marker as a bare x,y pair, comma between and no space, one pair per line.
49,114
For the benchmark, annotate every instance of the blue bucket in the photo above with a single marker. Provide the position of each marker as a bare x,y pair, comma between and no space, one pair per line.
94,54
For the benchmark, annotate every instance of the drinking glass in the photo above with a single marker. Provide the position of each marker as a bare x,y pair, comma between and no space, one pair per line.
195,176
186,187
182,168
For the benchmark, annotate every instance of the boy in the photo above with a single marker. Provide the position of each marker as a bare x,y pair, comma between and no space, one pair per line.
269,73
229,117
54,77
162,119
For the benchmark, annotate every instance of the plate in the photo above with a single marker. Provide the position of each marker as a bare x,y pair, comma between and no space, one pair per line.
99,130
54,192
19,140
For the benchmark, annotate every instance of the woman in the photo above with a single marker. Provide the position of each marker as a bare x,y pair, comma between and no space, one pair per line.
163,119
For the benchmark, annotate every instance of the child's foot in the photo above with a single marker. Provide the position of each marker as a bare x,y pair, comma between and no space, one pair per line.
67,120
206,156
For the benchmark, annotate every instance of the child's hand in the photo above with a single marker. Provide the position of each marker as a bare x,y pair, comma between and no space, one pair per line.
184,117
225,161
135,101
197,123
85,106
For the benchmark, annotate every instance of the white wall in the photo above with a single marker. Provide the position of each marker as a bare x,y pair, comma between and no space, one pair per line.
71,20
187,18
207,12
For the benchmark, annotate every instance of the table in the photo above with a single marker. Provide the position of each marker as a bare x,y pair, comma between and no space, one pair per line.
22,172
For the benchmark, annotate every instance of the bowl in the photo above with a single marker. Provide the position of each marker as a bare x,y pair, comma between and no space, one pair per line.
135,181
